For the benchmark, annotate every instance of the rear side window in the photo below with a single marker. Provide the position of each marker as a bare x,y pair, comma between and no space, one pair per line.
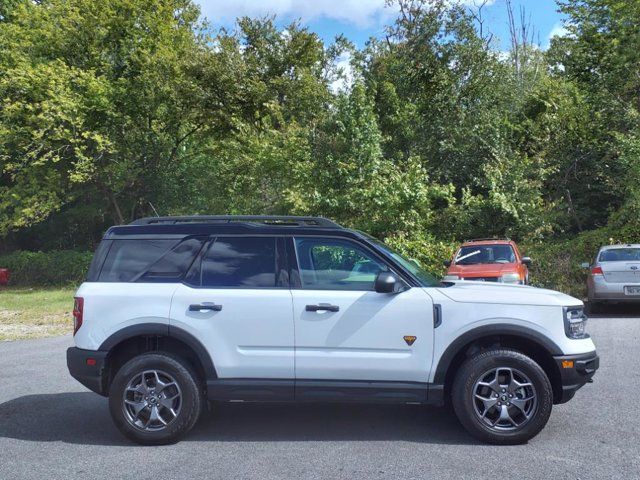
248,262
148,260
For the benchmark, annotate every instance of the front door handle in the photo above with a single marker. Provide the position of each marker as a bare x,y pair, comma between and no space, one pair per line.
205,307
323,307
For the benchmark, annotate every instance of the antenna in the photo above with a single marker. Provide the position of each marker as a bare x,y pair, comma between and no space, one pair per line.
154,209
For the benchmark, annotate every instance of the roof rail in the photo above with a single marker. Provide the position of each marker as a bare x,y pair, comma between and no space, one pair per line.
284,220
488,239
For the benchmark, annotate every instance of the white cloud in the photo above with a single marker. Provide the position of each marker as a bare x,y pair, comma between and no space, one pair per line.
558,30
362,13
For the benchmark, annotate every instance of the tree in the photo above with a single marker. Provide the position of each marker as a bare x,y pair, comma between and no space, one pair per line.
99,99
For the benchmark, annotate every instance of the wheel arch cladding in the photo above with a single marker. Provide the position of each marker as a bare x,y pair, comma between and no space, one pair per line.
148,337
535,345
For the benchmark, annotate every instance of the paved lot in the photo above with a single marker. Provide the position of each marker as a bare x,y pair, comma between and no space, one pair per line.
51,427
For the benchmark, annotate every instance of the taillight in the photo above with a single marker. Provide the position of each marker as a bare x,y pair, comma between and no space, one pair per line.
596,271
78,308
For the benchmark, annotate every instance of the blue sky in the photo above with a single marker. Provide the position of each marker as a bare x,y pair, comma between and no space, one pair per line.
360,19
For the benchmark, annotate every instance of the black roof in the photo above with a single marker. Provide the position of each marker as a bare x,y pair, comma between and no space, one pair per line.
229,224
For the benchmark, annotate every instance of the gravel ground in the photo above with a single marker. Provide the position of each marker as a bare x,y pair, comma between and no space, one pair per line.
51,427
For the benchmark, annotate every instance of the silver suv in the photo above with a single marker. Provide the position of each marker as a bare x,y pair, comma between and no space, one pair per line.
614,275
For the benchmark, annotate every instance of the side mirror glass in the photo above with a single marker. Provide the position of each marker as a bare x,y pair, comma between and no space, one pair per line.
447,263
585,265
526,261
386,282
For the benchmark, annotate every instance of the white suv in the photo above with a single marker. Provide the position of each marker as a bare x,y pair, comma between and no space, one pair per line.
180,310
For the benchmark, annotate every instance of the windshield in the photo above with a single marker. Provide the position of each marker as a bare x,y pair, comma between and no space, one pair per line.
477,254
620,255
425,278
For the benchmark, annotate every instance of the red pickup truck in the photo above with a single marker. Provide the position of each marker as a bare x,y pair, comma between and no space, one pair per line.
489,260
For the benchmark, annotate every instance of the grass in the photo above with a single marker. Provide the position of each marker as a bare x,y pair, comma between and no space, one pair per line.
35,312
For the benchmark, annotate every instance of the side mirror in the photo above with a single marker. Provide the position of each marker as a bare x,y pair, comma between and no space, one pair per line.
447,263
526,261
385,282
585,264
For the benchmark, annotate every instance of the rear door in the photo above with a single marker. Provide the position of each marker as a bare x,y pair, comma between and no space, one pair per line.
237,302
345,331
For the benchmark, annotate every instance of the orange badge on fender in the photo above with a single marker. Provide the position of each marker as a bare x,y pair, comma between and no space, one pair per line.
410,339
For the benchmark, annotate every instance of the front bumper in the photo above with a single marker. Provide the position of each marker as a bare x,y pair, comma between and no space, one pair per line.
88,367
575,372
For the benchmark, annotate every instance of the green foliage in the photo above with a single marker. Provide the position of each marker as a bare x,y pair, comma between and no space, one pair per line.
65,267
428,251
116,109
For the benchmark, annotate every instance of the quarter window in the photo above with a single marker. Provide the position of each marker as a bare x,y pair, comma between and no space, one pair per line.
172,265
334,264
128,259
248,262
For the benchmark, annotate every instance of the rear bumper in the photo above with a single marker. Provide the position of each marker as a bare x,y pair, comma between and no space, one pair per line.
601,290
575,372
88,367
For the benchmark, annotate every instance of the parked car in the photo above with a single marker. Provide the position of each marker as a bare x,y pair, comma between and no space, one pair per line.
4,277
489,260
176,311
614,275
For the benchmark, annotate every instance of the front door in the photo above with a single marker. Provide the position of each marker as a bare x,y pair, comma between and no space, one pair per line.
344,330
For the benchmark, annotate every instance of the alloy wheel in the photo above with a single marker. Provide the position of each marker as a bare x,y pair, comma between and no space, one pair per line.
152,400
504,399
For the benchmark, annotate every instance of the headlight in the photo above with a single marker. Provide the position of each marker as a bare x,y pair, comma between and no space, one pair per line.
575,322
510,278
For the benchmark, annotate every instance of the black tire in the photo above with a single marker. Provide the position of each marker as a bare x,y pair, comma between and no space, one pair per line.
191,399
463,397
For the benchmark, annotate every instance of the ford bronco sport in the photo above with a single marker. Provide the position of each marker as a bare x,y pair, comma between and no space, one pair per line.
178,311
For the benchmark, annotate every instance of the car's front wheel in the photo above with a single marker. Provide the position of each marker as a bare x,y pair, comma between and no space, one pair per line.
502,396
155,399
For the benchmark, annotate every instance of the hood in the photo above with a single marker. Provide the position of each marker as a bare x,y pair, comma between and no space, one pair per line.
466,291
483,269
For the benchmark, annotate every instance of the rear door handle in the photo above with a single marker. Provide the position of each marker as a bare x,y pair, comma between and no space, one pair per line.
322,308
205,307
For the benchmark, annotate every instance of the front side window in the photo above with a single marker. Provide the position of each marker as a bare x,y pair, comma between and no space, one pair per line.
335,264
248,262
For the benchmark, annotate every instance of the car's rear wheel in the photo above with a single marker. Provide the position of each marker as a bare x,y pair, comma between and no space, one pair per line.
155,399
502,397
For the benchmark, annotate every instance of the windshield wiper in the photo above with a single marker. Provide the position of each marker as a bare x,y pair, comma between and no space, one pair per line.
467,256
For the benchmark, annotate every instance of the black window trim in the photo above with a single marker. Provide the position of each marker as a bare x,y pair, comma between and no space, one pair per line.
293,269
374,253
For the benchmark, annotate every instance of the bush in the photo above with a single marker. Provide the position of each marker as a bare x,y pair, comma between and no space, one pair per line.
43,269
429,252
557,265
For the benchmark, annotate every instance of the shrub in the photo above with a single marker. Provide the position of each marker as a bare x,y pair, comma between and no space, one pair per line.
429,252
557,264
40,269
